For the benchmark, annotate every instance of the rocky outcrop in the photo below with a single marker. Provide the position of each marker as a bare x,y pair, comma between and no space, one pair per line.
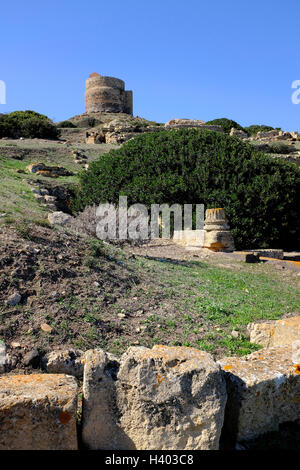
58,218
275,333
164,398
263,391
50,171
238,133
119,131
191,123
38,412
94,137
267,134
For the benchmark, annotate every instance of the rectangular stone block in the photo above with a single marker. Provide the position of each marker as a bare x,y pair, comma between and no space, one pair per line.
275,333
38,412
165,398
189,237
263,391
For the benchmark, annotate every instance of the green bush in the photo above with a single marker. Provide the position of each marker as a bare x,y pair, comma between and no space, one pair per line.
255,128
27,124
280,148
260,195
226,124
65,125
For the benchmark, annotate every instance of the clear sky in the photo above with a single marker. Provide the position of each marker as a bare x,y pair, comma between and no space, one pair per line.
182,59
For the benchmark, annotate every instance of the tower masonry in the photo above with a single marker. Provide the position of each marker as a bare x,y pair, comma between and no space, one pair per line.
107,95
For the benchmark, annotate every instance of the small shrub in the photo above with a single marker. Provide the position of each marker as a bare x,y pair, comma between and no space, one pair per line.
66,124
255,128
226,124
280,147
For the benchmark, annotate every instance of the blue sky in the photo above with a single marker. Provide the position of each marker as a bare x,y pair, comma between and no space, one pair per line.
182,59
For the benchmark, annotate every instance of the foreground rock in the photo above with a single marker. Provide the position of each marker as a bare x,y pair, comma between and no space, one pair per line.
58,218
38,412
164,398
275,333
100,427
64,362
263,391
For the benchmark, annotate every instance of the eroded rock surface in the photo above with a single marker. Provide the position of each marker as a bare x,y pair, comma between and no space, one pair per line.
263,391
38,412
163,398
275,333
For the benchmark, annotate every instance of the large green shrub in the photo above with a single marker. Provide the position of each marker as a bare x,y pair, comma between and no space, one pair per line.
260,195
226,124
27,124
255,128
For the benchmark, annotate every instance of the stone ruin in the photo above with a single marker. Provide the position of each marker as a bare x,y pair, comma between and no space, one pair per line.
107,95
164,398
217,235
191,123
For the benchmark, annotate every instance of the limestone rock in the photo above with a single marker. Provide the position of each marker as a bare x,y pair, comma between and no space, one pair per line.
263,391
100,429
50,171
296,352
32,358
58,218
283,135
190,238
238,133
176,395
275,333
64,362
185,123
94,137
38,412
191,123
164,398
268,134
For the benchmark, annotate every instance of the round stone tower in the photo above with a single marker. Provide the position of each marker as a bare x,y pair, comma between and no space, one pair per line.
107,95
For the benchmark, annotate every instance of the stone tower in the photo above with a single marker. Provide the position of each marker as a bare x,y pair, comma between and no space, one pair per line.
107,95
